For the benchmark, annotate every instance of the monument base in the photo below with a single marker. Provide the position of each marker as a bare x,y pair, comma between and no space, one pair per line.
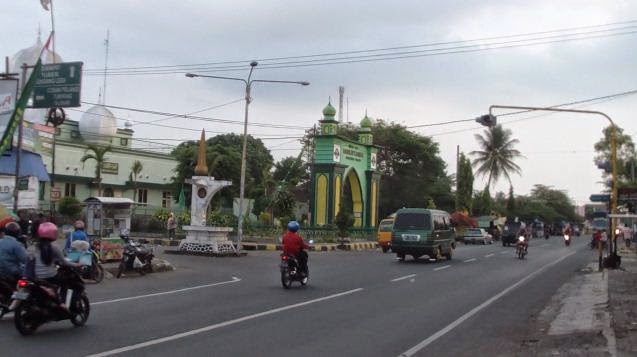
207,240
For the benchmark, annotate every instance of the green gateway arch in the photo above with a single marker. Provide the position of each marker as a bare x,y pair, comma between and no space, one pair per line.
344,174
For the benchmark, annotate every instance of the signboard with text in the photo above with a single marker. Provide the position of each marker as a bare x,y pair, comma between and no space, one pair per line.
59,85
8,95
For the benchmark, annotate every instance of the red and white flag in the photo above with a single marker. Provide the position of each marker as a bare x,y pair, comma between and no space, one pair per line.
45,4
46,49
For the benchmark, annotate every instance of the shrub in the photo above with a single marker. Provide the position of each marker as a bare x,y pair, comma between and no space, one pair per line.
161,214
343,221
70,207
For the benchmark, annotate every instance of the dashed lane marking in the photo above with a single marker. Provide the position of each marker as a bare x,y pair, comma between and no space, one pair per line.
504,252
442,267
219,325
470,260
234,280
489,255
404,277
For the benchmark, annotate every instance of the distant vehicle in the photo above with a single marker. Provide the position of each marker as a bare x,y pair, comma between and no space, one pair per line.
477,235
420,231
384,234
510,232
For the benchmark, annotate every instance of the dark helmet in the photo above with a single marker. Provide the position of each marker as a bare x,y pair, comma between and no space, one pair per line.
293,226
12,229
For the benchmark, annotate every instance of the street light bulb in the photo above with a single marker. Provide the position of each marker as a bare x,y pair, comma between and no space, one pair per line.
305,83
254,63
191,75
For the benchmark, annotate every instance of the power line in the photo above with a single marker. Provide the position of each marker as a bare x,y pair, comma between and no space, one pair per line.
217,66
216,120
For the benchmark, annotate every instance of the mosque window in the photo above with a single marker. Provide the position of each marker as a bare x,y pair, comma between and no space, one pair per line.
123,141
142,196
69,190
166,197
75,134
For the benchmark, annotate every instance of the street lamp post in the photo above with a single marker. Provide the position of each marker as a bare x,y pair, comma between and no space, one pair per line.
248,83
613,155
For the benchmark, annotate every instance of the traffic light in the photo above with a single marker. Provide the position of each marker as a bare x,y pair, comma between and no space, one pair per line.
487,120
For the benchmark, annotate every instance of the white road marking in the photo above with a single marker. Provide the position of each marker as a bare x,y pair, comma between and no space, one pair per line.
443,267
412,351
219,325
504,252
545,245
489,255
470,260
404,277
234,280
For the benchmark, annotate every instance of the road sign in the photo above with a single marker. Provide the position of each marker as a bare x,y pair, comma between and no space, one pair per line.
600,198
59,85
55,194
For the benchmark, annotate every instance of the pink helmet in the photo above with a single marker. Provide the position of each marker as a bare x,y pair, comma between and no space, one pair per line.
48,231
79,224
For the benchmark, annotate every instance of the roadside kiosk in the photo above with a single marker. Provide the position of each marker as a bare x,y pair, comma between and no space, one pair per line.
106,219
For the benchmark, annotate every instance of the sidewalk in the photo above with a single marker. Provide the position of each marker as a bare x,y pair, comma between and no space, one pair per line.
594,314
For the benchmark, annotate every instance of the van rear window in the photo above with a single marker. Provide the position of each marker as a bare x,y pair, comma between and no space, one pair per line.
386,226
413,221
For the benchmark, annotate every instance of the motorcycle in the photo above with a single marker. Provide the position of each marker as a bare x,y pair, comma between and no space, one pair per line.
291,271
35,302
90,266
137,256
567,240
521,248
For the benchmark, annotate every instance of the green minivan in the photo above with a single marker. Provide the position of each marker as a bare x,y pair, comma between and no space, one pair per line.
420,231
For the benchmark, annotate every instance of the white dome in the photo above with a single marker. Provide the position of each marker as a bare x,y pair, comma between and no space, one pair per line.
98,125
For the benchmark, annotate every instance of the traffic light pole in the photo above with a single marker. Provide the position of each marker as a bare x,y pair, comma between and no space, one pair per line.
613,157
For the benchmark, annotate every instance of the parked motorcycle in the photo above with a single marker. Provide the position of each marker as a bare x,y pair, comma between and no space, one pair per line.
521,247
291,271
137,256
567,240
35,302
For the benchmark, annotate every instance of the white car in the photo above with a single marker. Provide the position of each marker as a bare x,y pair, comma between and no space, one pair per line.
477,235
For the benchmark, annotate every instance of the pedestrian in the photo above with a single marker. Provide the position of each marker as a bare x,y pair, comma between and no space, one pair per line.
171,225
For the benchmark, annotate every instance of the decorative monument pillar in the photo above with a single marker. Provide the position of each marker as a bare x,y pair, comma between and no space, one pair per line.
202,238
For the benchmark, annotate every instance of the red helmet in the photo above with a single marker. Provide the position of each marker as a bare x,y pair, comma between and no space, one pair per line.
5,221
48,231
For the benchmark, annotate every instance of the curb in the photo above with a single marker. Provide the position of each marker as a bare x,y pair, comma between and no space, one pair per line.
314,248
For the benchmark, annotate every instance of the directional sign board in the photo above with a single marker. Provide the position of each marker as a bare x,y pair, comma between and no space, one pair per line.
600,198
59,85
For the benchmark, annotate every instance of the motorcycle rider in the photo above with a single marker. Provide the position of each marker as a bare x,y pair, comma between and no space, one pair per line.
524,242
293,245
78,234
47,256
13,256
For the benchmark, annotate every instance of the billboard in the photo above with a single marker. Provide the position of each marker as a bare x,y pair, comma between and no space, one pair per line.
8,95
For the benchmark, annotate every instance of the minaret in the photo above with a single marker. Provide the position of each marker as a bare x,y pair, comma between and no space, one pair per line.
365,132
329,126
202,169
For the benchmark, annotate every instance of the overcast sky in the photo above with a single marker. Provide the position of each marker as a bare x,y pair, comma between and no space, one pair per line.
417,90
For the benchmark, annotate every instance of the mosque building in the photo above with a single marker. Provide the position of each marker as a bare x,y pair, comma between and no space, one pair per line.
96,128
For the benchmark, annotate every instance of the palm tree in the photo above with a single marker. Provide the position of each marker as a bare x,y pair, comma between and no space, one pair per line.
135,170
497,154
98,154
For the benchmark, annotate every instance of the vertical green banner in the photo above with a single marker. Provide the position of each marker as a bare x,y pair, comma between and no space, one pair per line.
18,113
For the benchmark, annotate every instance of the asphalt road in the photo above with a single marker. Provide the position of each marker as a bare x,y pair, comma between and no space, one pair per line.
356,304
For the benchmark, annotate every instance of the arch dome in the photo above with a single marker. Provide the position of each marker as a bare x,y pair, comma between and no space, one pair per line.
98,125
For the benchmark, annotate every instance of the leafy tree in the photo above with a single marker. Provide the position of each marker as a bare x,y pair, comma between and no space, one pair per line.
98,153
557,200
626,158
511,202
223,158
135,170
343,220
496,155
70,207
284,203
291,170
464,193
482,203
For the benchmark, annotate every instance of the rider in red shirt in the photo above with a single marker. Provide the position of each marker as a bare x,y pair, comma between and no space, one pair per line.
293,245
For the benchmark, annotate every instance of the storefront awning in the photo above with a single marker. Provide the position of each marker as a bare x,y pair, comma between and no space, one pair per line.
30,165
110,200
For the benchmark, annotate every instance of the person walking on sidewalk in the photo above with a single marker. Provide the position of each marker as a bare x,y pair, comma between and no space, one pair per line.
171,225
